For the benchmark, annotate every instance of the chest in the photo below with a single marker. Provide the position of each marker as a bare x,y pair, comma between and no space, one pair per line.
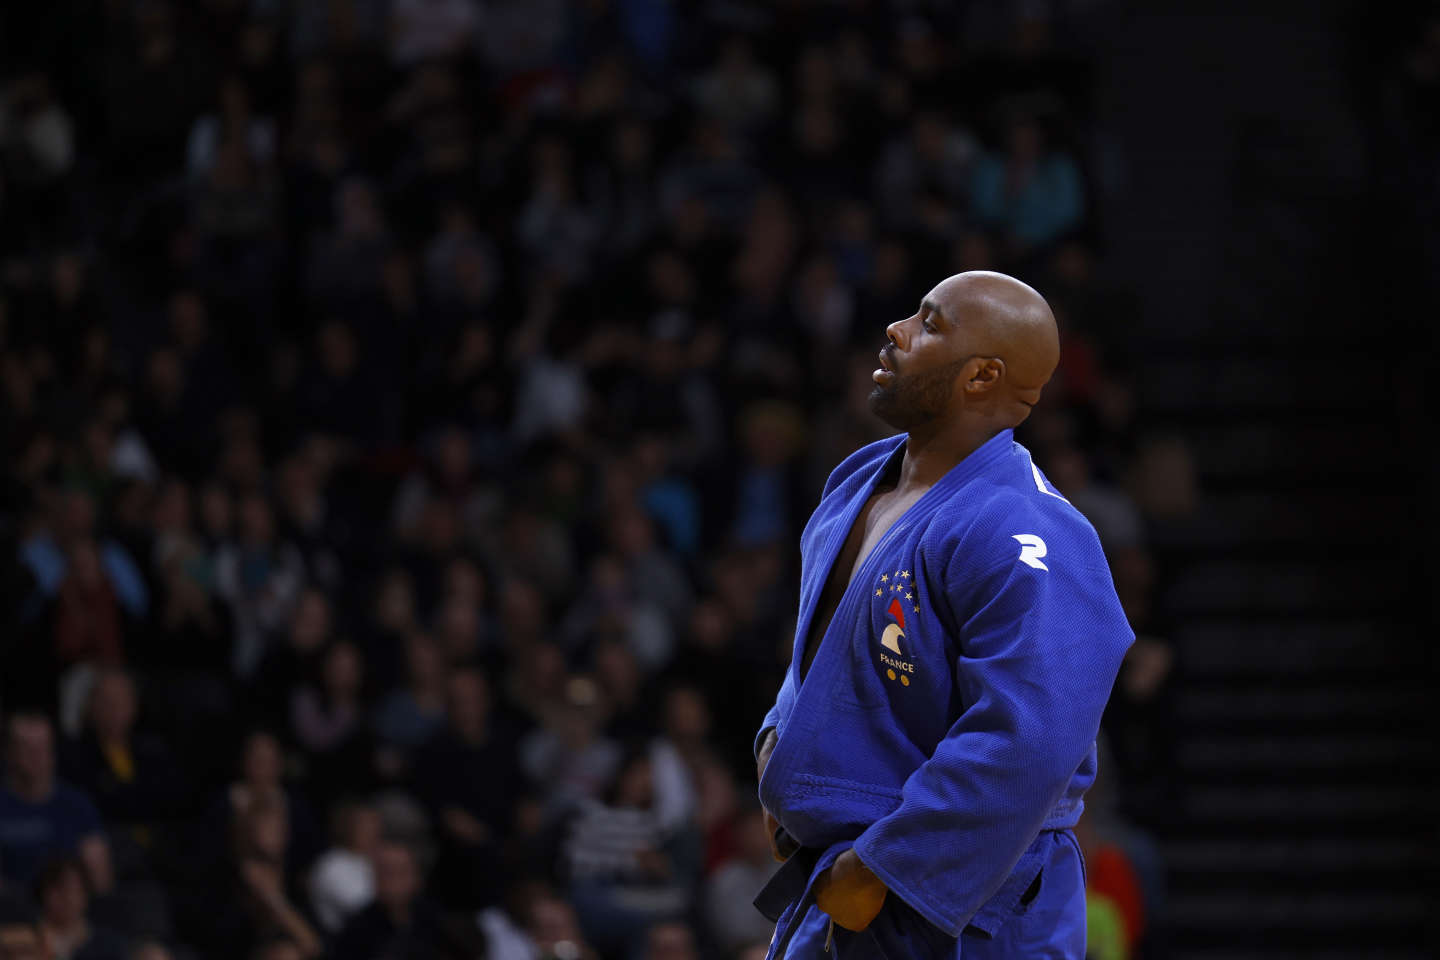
875,520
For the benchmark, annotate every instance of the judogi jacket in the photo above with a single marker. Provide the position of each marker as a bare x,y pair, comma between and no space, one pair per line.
950,713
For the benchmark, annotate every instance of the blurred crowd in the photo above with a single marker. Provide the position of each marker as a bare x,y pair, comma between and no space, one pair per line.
409,411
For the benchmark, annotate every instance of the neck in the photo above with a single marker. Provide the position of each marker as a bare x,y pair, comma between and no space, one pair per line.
69,933
931,451
34,791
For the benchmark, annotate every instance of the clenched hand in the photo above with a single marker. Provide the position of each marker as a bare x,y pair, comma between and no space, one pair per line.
849,892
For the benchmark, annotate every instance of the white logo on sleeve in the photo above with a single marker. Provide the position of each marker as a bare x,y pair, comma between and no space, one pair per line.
1032,548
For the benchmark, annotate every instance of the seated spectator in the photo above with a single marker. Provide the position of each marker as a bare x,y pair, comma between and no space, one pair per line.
1032,194
730,890
412,714
342,881
278,948
626,869
568,756
467,778
41,817
150,950
289,665
254,903
64,925
261,783
21,941
89,626
671,941
401,922
326,722
132,777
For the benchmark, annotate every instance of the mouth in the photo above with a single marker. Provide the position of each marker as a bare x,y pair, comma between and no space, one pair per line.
883,374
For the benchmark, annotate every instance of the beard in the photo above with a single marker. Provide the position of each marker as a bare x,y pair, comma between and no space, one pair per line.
913,400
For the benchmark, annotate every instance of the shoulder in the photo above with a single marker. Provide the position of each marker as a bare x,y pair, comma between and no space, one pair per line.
861,462
1012,515
71,800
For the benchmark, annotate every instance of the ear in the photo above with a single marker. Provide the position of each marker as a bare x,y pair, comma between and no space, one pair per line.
985,375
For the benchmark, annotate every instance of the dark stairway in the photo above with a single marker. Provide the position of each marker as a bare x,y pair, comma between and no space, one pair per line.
1305,691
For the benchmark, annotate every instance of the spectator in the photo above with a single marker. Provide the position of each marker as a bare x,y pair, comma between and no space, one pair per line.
671,941
88,623
327,721
133,778
1031,193
627,869
261,784
410,715
260,577
42,817
342,881
258,903
469,781
401,922
730,890
64,924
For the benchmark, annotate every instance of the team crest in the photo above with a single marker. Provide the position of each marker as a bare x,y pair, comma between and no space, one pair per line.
900,596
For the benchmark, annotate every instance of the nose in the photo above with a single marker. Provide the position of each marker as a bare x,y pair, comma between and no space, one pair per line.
895,333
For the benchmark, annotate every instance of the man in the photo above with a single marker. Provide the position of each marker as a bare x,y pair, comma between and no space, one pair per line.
42,818
958,636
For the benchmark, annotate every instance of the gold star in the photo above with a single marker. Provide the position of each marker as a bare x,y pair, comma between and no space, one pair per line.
909,596
884,578
906,574
917,609
878,591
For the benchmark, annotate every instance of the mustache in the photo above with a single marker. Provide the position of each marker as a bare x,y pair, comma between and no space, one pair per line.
889,351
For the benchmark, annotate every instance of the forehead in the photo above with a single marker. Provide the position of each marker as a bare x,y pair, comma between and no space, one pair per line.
947,298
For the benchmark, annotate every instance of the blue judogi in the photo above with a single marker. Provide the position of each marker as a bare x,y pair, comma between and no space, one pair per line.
946,727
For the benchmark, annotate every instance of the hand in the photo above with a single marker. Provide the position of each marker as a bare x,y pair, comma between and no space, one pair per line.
464,827
263,880
762,756
849,892
772,827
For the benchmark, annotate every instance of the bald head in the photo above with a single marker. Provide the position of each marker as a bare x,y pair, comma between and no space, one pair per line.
1009,321
973,358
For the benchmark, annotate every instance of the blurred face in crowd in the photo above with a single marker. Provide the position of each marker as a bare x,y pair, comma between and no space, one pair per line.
85,565
343,672
113,706
395,603
257,525
279,950
151,951
397,875
463,579
363,829
636,785
20,941
553,921
64,899
311,626
687,717
217,511
31,754
262,761
423,661
671,941
469,703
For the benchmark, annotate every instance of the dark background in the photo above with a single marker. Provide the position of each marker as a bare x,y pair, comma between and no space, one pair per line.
433,391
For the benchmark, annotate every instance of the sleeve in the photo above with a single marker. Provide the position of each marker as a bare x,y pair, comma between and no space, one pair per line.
774,714
1038,653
